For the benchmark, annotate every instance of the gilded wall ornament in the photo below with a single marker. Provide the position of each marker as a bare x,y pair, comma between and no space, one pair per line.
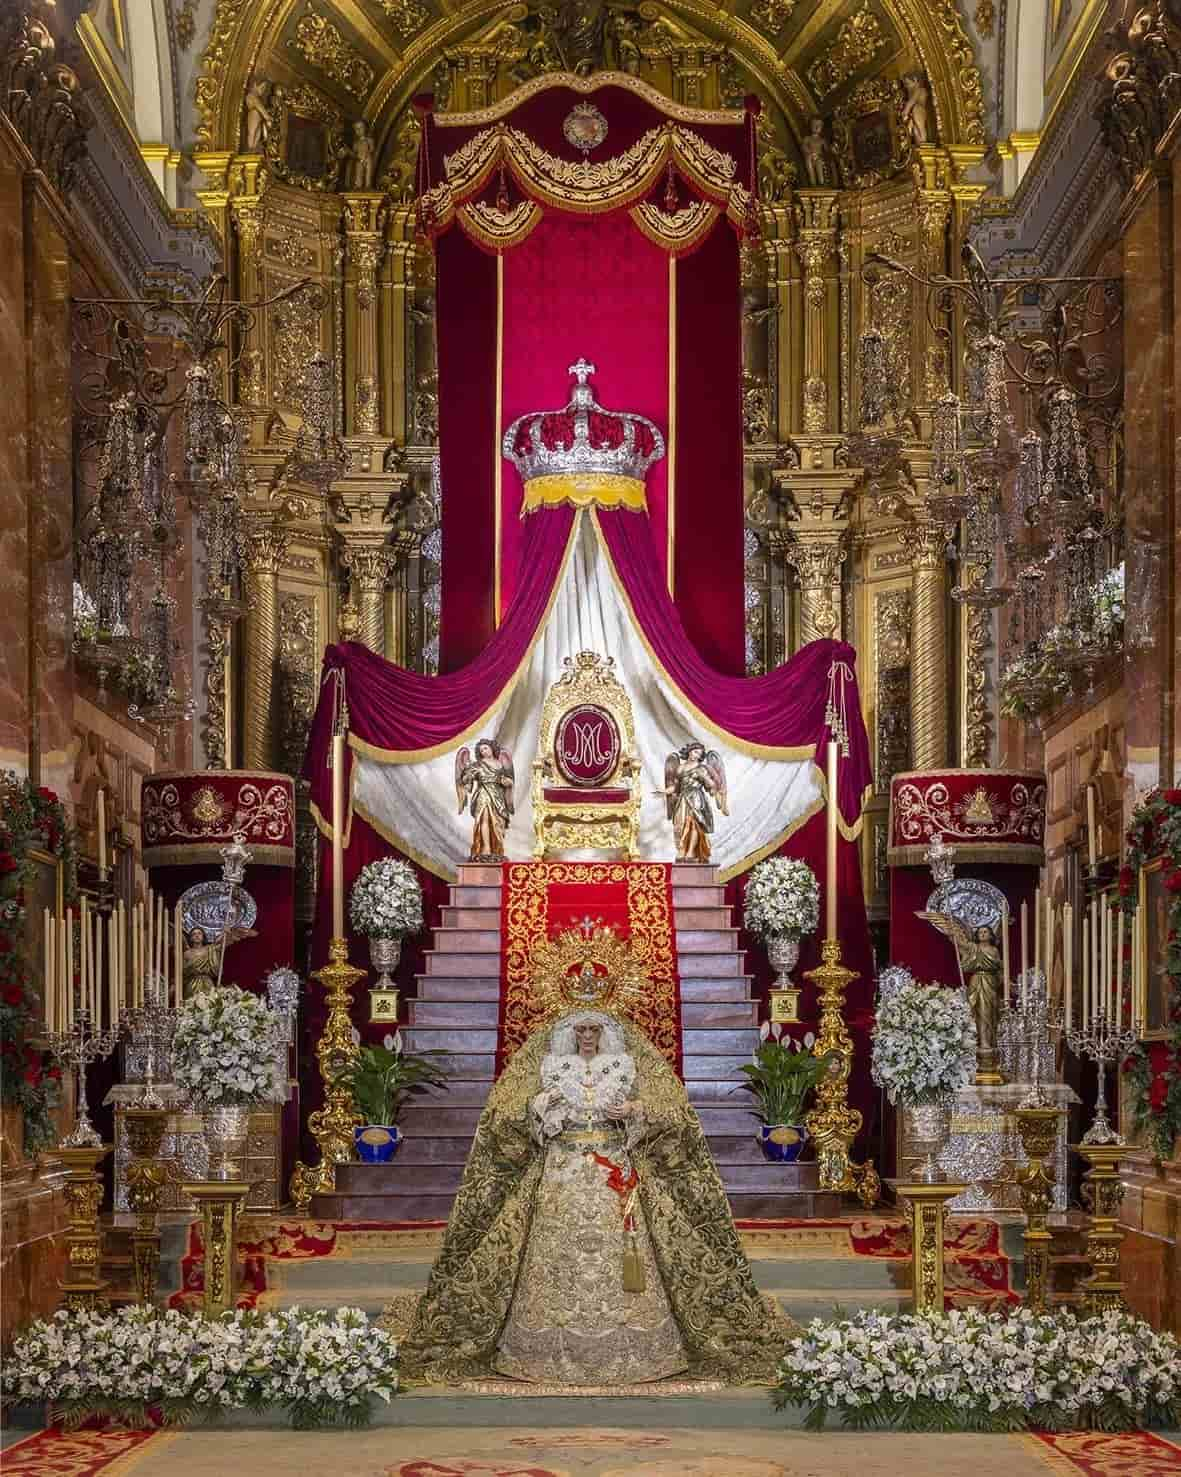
815,404
42,96
857,42
295,337
868,139
772,15
324,47
584,128
406,16
892,725
307,144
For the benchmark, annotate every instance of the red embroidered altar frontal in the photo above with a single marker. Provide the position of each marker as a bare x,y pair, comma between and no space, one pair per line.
542,901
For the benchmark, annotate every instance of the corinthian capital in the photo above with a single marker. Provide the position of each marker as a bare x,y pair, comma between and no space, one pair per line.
926,542
369,565
266,548
816,561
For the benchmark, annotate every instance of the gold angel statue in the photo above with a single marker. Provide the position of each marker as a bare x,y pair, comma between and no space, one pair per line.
981,967
484,786
694,782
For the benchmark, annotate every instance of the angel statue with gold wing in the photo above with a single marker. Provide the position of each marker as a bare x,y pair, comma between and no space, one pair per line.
484,785
981,968
694,782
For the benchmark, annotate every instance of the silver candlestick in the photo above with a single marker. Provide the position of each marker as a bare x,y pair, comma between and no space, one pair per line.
149,1027
1103,1041
1027,1036
77,1048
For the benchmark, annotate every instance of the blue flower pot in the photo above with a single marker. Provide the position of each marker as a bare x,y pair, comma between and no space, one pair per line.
783,1143
376,1143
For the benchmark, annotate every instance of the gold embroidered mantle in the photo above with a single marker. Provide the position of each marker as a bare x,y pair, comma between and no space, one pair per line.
726,1327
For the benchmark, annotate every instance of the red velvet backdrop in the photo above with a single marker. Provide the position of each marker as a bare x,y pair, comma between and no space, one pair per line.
590,287
597,286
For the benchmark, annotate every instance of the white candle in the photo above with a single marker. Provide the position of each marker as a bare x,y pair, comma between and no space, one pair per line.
178,962
1005,951
1037,928
69,949
102,834
50,985
1049,945
1086,1010
1119,967
1068,964
1096,961
338,836
150,938
1092,835
1106,944
98,949
1024,949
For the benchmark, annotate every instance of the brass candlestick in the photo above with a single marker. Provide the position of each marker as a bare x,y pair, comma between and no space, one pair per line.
220,1203
1102,1193
832,1123
332,1124
1038,1128
82,1286
927,1204
146,1177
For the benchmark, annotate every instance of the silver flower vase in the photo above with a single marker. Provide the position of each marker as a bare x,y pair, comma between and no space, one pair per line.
225,1131
783,951
929,1124
384,955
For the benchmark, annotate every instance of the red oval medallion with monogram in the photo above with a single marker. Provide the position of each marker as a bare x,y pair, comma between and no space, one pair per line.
586,747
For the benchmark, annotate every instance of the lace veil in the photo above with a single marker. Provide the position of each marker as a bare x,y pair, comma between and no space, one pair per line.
728,1329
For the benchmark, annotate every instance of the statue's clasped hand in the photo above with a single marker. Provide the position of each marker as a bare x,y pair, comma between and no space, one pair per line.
620,1111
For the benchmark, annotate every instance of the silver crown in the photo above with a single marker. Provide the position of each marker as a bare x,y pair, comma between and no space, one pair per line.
640,444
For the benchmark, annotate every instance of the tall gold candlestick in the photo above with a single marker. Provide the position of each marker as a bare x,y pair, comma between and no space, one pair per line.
830,868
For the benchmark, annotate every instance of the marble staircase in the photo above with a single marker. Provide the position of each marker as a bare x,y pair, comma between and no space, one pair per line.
456,1009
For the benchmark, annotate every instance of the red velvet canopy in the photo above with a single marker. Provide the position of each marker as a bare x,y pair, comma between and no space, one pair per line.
546,264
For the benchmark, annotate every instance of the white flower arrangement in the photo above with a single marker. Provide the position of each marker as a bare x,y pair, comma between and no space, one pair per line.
782,897
978,1371
323,1366
386,900
924,1043
226,1049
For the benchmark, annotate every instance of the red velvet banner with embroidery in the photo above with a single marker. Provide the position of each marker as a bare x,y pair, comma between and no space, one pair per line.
542,901
188,816
988,815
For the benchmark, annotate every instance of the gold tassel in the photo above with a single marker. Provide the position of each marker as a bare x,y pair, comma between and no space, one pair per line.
633,1267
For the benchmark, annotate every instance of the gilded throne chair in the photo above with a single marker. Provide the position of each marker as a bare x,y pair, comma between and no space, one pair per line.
586,778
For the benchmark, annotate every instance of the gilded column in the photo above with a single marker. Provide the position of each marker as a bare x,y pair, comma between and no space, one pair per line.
926,543
818,562
930,352
397,282
369,567
266,546
815,245
248,223
363,252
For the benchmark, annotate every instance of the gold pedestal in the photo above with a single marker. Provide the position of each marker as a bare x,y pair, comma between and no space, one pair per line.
220,1203
146,1177
332,1125
927,1207
1038,1128
82,1286
832,1123
1102,1192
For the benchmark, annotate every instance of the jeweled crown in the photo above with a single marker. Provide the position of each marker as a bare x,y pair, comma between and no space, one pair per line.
583,438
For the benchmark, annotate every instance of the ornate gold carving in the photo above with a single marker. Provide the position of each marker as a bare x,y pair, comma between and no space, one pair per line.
815,399
220,1203
146,1176
42,96
588,678
82,1287
818,562
772,15
369,567
926,542
332,1125
586,85
892,725
977,724
295,338
589,966
293,250
875,95
322,45
186,24
1038,1128
265,547
777,173
305,102
365,252
927,1206
756,407
961,64
857,42
1102,1193
832,1123
891,308
985,18
406,16
299,648
218,49
218,628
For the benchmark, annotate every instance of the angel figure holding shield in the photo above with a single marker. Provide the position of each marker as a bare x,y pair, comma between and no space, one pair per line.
694,782
484,786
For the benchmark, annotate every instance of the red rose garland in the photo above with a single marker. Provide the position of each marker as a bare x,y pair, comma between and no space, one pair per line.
31,818
1153,1070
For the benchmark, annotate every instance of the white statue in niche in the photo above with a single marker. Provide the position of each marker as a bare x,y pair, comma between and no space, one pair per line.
916,110
259,119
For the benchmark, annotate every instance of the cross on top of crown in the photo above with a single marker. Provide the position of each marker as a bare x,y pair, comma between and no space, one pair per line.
583,370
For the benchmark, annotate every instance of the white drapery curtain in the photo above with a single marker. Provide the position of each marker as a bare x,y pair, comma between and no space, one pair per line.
414,805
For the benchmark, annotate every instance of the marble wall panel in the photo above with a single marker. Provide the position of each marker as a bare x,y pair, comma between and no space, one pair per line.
14,502
1149,483
33,1220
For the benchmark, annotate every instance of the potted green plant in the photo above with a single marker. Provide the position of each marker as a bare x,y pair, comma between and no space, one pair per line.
384,1077
782,1077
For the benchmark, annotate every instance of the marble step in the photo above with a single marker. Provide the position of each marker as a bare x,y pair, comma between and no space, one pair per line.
474,1013
703,990
484,874
687,895
763,1205
487,941
468,916
422,1166
717,1069
414,1205
695,1040
740,1162
730,1129
713,1098
691,963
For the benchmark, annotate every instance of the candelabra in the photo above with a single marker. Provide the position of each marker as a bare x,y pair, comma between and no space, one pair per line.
76,1048
149,1027
1105,1042
1028,1033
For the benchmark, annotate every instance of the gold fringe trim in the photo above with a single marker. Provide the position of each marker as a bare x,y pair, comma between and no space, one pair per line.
201,853
582,490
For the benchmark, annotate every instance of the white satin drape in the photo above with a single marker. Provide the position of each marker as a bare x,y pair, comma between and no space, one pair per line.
414,805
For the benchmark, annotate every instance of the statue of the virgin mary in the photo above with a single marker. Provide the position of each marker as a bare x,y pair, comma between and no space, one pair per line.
591,1241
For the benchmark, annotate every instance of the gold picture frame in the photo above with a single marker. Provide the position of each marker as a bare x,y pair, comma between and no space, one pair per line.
46,889
1153,903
